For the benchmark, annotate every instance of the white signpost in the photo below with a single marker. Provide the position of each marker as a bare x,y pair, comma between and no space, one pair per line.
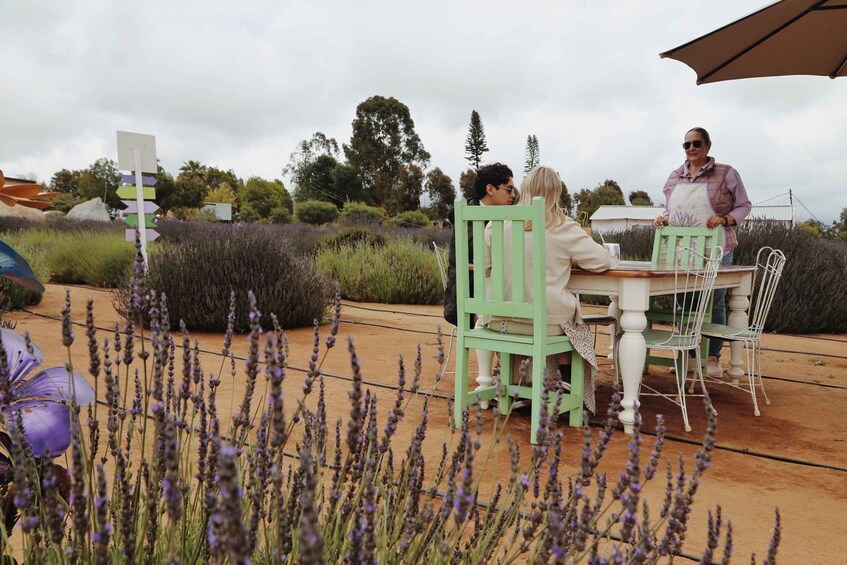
137,153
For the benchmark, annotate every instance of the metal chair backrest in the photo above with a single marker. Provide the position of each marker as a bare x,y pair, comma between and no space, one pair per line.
442,258
694,279
511,246
768,273
672,243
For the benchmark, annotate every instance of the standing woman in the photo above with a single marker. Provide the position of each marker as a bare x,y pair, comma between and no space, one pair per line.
703,192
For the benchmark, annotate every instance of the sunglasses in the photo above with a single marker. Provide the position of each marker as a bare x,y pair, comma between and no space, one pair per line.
696,143
509,188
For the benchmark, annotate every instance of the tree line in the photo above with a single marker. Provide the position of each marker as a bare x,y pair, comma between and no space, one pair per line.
384,164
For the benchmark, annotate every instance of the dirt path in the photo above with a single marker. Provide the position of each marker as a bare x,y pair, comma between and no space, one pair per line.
792,457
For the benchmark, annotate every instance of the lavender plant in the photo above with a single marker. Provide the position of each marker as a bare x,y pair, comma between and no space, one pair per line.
279,484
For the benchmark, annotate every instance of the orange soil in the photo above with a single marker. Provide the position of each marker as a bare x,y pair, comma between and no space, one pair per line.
765,467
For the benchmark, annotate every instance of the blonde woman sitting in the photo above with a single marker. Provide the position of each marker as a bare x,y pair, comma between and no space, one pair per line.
566,244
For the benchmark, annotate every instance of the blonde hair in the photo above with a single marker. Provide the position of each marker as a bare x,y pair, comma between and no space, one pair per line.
543,181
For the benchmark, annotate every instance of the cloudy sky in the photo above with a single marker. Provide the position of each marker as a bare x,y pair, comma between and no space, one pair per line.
238,84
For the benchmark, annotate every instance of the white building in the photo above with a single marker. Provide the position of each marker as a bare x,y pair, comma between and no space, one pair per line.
620,218
222,211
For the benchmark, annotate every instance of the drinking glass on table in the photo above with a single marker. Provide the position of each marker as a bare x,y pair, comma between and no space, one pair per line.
614,250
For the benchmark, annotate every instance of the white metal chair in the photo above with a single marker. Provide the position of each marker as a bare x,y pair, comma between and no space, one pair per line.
769,265
441,255
694,278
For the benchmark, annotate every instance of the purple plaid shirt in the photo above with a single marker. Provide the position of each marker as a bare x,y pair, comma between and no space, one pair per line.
727,194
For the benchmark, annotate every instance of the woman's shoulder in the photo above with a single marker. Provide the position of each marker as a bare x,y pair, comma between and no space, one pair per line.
678,172
724,167
568,227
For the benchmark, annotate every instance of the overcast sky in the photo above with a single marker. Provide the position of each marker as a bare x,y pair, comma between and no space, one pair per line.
238,84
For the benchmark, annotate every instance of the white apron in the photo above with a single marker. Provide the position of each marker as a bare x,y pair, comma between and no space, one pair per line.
689,206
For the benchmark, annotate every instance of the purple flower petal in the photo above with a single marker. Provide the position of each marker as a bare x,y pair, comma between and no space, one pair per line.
47,426
21,362
56,383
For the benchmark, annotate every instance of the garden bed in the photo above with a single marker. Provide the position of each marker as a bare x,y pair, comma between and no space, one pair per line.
793,456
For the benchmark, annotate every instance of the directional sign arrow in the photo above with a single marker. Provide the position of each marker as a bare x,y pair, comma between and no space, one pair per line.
145,180
132,207
151,235
127,192
132,220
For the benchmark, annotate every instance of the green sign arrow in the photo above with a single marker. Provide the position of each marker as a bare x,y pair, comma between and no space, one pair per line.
132,220
130,192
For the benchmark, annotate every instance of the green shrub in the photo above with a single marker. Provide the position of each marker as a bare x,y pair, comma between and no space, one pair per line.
400,272
248,215
97,259
316,212
280,216
352,236
812,291
357,212
197,277
301,238
411,219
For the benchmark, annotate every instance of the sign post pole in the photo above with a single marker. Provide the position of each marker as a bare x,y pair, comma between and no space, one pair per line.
139,199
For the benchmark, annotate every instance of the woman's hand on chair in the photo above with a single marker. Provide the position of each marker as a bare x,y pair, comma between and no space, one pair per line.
660,221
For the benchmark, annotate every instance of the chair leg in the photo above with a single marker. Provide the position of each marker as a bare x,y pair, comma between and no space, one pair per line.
577,388
449,349
681,366
753,371
485,360
504,401
460,396
538,364
758,348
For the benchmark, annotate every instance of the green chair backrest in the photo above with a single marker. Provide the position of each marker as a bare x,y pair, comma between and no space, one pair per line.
507,252
673,245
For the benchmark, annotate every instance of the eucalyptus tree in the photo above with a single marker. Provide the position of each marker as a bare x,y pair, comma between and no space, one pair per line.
383,143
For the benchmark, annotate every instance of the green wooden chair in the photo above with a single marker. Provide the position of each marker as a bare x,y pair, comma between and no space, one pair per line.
507,222
674,245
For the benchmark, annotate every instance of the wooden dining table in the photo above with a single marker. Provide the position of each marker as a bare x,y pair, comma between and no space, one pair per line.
630,285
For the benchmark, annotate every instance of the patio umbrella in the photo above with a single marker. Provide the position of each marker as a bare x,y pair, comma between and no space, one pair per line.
791,37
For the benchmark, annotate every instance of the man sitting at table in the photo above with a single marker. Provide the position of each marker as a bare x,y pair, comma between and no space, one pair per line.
493,186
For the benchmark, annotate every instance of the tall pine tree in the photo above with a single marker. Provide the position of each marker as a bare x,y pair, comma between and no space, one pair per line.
533,155
475,144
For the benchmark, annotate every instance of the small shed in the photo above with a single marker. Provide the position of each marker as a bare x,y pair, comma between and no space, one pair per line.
620,218
222,211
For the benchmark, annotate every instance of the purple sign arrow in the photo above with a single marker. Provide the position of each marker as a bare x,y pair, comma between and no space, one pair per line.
145,180
132,207
151,234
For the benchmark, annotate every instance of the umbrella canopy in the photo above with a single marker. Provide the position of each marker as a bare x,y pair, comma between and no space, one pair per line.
792,37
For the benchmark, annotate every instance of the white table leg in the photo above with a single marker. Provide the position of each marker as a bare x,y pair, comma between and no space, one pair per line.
632,349
739,302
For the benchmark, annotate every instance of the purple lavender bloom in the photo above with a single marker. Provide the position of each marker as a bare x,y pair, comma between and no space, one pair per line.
43,401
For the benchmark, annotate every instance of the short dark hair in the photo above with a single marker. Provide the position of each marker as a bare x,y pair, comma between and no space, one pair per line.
496,174
702,132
